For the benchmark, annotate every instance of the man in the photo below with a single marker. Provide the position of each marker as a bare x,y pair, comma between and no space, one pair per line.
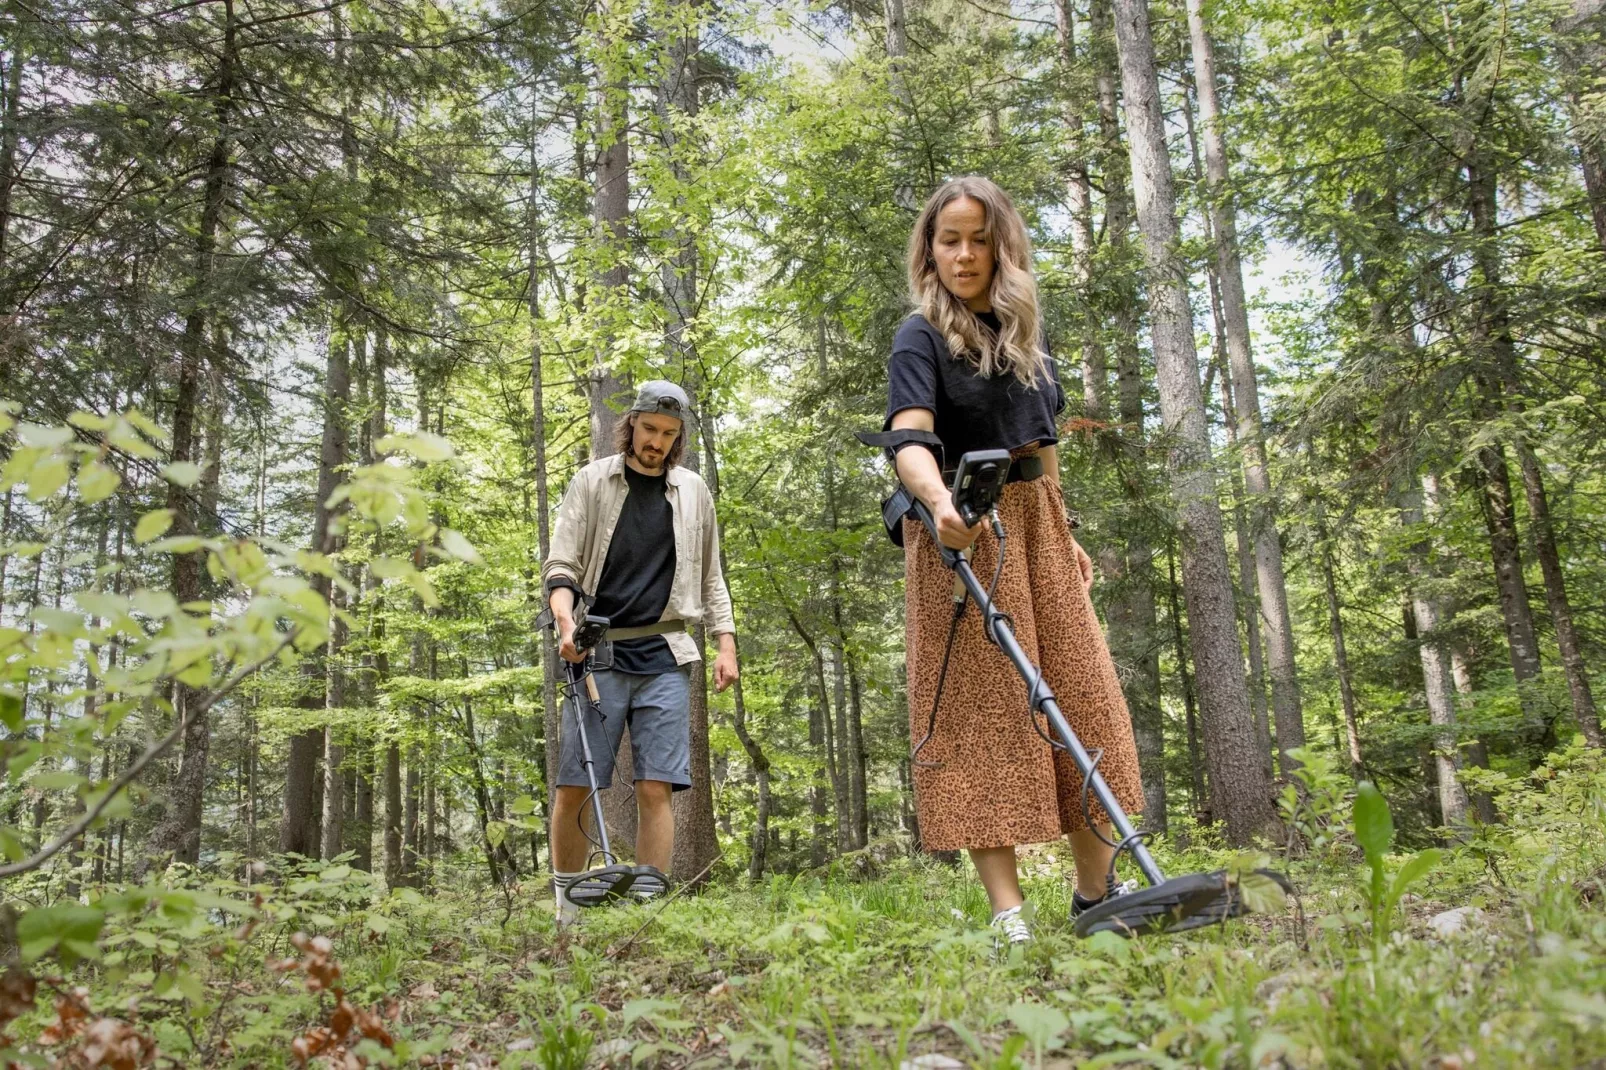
637,532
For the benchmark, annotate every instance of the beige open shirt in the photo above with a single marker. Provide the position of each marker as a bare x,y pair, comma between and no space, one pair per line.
586,522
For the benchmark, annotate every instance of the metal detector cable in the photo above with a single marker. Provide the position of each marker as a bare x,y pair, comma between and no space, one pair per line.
948,647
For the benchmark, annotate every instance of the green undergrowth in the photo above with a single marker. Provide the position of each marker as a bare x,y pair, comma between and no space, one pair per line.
822,970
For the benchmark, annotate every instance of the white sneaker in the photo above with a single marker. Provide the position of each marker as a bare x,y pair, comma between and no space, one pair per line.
1010,930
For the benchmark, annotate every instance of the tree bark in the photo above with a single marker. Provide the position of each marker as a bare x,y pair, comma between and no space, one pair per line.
1079,196
1133,620
1243,793
1582,49
1438,687
179,834
1262,511
1335,627
300,820
1247,600
10,138
1561,613
1202,809
696,841
546,642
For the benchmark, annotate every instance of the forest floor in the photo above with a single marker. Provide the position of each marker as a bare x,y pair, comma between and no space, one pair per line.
894,967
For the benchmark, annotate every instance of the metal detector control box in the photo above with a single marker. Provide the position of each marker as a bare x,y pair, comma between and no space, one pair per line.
978,481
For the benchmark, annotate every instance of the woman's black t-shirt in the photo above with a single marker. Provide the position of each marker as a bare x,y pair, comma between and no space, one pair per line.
972,411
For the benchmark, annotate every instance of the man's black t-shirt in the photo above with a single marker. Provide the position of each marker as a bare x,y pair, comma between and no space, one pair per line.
633,588
973,411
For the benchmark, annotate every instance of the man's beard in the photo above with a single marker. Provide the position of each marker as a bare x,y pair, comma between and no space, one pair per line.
647,462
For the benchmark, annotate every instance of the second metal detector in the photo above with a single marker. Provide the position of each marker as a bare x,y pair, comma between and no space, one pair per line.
612,881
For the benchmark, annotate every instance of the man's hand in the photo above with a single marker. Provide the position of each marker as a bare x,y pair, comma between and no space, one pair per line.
951,527
725,670
566,648
561,600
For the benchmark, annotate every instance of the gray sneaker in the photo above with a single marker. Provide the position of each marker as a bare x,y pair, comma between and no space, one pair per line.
1010,930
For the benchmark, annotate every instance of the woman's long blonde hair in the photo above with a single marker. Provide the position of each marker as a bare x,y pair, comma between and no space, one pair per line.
1017,347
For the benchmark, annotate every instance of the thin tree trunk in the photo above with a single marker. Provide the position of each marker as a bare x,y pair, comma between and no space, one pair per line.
1202,809
1493,349
334,751
1581,40
1272,587
1437,685
605,389
1561,613
1079,195
1243,793
1133,620
1474,752
179,834
1247,600
10,137
543,506
1335,627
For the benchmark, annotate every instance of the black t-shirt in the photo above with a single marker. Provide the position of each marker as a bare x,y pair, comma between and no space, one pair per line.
637,574
973,411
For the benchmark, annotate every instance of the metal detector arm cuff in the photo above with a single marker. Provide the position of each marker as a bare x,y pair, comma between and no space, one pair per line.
899,438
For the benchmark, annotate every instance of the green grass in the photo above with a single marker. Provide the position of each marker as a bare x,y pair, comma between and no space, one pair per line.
813,971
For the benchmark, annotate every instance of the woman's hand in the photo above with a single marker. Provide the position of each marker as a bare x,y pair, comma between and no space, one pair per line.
1085,563
951,527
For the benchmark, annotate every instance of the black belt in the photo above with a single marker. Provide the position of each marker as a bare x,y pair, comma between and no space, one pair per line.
1022,469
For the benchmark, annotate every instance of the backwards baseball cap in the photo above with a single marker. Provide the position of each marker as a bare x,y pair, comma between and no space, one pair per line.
664,397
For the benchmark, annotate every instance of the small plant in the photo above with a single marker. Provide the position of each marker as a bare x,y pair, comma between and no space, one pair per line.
1374,831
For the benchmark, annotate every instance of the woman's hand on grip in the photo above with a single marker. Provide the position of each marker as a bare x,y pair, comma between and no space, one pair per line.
951,528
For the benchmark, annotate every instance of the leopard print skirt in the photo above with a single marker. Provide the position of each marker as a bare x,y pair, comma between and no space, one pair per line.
994,781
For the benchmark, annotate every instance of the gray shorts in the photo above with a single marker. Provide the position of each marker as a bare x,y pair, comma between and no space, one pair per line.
658,710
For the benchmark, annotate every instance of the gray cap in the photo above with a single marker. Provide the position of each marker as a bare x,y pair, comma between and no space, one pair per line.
662,396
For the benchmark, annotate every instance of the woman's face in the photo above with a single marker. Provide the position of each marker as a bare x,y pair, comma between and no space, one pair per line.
963,252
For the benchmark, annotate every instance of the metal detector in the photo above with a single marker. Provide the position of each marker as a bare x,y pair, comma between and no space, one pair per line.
1170,905
612,881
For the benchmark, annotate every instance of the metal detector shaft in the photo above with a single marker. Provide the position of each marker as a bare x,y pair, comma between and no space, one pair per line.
585,753
996,628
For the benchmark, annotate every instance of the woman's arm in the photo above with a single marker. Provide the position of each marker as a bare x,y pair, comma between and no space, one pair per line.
918,470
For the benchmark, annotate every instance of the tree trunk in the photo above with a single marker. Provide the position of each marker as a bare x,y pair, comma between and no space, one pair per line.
1582,49
1247,599
1335,627
1079,197
395,869
1476,754
1202,810
1561,613
1437,685
11,80
334,751
547,644
1272,587
179,834
1133,621
1243,793
696,841
611,209
1493,354
300,821
611,205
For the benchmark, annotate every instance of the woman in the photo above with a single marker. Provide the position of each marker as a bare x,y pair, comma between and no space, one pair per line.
970,366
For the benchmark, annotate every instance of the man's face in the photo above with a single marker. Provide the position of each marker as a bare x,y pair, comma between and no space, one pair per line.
654,434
